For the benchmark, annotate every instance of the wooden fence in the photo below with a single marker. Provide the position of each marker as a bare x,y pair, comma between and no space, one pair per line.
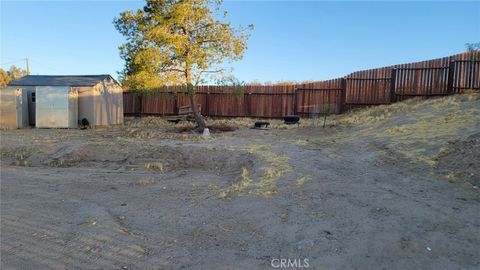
444,76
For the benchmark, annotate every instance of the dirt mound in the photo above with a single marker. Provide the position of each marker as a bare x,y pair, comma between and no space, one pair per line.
146,156
461,160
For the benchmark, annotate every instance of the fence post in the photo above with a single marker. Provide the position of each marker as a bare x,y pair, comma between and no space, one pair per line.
451,72
206,102
295,111
393,81
175,102
138,109
343,94
248,102
245,104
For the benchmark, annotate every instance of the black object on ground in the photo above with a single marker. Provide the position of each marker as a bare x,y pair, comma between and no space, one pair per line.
261,124
291,119
85,123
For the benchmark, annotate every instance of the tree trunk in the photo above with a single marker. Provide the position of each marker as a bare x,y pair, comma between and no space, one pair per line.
193,103
191,94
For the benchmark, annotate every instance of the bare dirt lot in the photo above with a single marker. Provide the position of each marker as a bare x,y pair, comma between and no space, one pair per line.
391,187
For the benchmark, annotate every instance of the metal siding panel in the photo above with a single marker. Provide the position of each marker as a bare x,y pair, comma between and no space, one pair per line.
72,108
24,108
52,107
8,108
85,104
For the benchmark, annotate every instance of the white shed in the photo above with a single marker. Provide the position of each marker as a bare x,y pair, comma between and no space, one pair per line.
13,108
99,99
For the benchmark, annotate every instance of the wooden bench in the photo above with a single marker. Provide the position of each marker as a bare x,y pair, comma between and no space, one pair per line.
184,113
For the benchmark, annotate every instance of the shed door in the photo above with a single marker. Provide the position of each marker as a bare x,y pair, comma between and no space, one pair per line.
52,107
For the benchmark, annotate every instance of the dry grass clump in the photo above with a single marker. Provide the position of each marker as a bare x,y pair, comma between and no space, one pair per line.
224,127
236,123
58,163
145,182
21,160
149,121
472,95
64,162
155,166
181,137
374,114
213,125
229,124
17,156
232,124
364,116
302,142
140,134
301,181
398,130
238,187
277,166
185,126
279,124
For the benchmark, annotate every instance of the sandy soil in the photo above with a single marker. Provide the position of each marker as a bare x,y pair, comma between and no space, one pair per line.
392,187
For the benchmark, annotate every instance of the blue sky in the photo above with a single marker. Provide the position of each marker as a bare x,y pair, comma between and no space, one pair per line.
292,40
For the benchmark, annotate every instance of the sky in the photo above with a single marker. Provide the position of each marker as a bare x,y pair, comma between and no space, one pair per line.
292,40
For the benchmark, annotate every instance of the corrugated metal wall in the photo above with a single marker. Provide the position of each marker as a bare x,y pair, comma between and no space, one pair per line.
13,108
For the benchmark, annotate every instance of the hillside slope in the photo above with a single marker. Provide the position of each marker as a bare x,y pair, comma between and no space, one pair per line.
443,133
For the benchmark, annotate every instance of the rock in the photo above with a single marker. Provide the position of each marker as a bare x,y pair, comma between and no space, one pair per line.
305,244
206,133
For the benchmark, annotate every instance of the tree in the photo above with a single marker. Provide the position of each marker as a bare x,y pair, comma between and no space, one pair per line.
4,78
16,73
13,73
473,46
171,41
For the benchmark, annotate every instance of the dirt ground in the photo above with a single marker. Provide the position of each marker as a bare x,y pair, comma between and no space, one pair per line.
391,187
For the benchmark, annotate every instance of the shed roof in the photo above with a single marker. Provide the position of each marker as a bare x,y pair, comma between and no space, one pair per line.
59,80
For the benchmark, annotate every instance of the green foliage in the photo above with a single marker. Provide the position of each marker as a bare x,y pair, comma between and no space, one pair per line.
326,112
473,46
237,86
326,109
171,42
177,42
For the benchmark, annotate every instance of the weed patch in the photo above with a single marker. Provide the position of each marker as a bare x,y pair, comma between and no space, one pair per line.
277,166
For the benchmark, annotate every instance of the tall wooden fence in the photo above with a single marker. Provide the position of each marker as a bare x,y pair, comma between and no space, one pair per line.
444,76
